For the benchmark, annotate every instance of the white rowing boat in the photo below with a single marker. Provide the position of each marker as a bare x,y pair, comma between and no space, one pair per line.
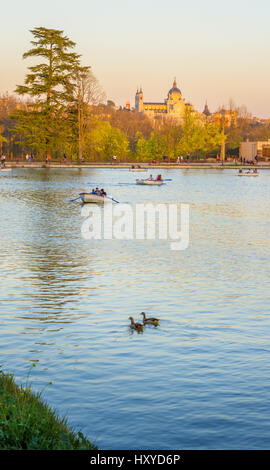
138,169
5,169
248,174
150,182
96,198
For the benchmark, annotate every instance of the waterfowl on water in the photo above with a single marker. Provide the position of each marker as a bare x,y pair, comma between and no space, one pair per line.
135,326
149,321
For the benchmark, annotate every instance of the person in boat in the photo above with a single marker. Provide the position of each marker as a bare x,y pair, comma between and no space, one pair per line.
96,191
132,166
102,192
151,177
240,171
159,178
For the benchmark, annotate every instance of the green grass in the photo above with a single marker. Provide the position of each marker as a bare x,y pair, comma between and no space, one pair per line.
26,422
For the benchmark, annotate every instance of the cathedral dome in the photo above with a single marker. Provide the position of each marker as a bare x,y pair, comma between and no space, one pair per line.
174,92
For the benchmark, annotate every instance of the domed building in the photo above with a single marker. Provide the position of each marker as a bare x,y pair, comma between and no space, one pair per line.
174,92
173,106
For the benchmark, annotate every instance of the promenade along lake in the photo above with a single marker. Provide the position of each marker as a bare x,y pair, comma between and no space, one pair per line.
201,379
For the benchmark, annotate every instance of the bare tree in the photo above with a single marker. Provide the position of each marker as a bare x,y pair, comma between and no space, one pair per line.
88,93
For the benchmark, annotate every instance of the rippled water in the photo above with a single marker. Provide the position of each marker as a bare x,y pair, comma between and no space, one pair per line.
198,381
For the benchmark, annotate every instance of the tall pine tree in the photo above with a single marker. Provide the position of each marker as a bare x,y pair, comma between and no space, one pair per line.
50,86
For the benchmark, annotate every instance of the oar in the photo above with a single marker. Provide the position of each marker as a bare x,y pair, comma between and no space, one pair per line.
72,200
113,199
168,179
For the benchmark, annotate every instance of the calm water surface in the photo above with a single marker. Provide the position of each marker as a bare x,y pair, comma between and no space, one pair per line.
201,379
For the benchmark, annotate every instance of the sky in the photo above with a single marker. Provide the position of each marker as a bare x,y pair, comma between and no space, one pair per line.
217,50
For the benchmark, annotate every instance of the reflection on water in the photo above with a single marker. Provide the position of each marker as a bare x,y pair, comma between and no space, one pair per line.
198,380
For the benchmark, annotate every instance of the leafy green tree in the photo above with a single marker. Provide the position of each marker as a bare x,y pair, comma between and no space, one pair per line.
2,138
103,141
191,140
156,145
50,85
141,148
117,144
198,137
211,137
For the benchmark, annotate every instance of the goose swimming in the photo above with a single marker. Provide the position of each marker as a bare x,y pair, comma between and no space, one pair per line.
149,321
135,326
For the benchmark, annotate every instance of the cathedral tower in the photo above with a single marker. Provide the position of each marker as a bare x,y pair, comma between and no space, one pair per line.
206,111
139,101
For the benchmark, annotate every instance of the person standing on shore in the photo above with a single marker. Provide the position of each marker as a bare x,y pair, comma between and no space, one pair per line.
3,161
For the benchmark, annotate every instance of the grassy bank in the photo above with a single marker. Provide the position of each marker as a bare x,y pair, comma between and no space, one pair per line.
26,422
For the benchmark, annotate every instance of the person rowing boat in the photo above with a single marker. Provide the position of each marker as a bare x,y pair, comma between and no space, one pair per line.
248,173
99,192
158,178
150,181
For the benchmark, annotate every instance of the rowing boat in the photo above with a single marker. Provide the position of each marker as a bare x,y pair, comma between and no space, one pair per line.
150,182
138,169
248,174
5,169
96,198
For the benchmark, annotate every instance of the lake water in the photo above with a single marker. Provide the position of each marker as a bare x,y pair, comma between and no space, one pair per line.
201,379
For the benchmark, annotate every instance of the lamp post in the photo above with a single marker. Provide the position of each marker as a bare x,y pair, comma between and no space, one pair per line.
222,150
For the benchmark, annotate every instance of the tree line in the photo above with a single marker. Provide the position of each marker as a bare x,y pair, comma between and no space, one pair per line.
59,111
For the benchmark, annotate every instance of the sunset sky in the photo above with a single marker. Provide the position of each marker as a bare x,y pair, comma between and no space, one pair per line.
216,50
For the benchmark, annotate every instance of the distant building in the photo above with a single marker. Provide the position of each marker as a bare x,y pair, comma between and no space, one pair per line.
250,150
229,116
174,105
206,111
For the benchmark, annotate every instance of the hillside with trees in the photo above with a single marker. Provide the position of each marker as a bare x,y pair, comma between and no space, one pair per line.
60,111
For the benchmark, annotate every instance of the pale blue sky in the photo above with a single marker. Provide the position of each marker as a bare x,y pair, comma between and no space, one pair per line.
216,50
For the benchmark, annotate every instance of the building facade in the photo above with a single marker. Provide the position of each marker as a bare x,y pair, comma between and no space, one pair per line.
174,105
249,150
224,116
